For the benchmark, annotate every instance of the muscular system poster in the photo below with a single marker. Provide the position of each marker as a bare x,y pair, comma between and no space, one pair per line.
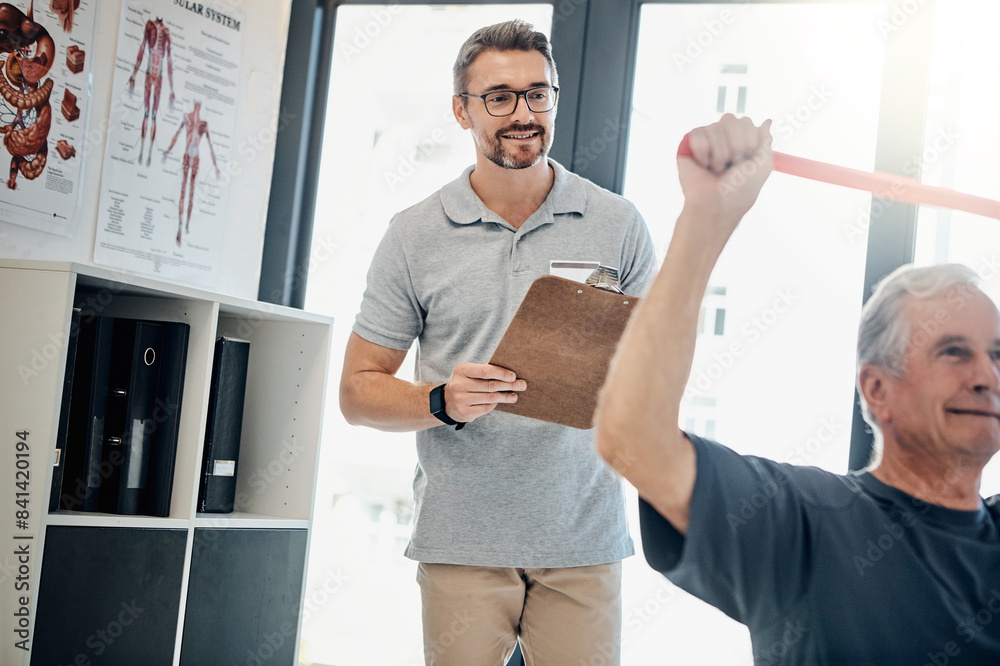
45,49
173,112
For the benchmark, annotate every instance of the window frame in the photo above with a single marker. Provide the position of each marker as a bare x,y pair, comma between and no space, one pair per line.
596,79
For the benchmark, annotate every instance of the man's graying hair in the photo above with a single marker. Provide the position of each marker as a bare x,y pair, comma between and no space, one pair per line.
516,35
884,332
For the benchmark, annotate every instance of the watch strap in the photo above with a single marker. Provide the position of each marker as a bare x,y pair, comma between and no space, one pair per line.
438,409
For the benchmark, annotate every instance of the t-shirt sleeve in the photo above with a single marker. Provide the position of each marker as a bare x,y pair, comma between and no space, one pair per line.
746,549
390,313
638,258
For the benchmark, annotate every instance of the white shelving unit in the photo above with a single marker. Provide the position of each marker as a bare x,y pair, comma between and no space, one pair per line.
276,480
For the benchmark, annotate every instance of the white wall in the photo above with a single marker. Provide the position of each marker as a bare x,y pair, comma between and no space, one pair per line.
265,30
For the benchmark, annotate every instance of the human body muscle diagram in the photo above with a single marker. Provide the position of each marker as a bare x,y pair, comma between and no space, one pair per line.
195,129
156,36
27,118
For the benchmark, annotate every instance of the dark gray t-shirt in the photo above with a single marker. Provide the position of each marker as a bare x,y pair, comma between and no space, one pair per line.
830,569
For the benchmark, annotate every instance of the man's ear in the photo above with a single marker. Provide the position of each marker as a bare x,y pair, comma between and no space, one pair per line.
873,383
461,112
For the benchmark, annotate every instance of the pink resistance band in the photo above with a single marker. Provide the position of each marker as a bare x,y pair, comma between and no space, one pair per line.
884,185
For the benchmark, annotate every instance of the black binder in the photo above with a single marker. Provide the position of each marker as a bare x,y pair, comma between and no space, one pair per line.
59,466
136,359
85,445
154,499
124,415
217,491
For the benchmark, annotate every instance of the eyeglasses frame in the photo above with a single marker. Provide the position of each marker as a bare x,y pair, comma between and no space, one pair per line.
518,94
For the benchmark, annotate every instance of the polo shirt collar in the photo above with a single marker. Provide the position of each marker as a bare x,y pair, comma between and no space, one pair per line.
463,206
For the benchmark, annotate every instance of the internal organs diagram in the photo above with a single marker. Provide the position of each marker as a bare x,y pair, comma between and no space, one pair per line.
28,116
64,9
156,36
196,128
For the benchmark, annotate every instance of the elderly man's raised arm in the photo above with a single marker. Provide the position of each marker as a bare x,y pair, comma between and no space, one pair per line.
637,416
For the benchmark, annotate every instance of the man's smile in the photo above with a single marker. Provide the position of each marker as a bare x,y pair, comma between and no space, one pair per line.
520,134
974,411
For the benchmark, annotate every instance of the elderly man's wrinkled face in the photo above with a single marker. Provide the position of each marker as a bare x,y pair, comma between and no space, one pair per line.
948,399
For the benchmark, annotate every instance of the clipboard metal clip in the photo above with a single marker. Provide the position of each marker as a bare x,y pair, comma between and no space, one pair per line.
605,277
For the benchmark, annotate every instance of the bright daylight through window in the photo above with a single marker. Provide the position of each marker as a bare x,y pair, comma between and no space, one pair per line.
778,324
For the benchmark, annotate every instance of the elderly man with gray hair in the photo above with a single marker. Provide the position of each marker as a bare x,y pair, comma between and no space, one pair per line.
896,564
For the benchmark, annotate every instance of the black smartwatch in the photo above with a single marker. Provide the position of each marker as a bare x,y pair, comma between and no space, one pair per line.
438,408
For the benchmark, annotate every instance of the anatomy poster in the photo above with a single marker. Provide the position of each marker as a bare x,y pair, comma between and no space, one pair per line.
45,63
173,113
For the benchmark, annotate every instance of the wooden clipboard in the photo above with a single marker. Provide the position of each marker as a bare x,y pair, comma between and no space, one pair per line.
560,342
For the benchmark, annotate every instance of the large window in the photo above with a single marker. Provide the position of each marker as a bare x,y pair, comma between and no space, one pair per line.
774,368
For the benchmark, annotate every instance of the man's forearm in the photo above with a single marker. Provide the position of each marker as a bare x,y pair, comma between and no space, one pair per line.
637,431
639,406
385,402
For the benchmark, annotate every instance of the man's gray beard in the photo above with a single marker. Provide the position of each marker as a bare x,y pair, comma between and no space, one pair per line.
504,160
499,156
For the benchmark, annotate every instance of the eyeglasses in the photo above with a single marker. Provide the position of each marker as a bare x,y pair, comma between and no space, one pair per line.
504,102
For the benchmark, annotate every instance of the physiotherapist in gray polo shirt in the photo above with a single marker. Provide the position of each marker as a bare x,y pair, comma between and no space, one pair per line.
520,527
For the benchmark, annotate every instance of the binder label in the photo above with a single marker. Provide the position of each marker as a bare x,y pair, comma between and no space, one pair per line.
224,468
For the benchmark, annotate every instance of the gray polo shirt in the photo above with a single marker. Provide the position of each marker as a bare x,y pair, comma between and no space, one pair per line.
506,490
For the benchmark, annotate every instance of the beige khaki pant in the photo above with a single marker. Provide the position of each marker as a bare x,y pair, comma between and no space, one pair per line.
473,616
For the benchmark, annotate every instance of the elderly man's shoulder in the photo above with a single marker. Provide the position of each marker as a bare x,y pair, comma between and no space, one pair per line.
823,488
